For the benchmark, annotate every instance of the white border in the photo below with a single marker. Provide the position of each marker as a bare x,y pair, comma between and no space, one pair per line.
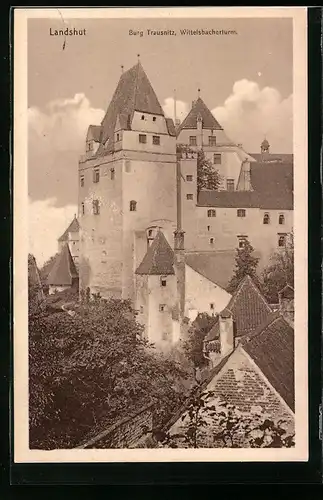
21,450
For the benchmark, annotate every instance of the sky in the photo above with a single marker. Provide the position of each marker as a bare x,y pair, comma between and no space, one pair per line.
245,79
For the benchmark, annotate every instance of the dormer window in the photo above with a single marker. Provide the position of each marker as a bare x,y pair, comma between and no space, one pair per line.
133,206
266,219
142,138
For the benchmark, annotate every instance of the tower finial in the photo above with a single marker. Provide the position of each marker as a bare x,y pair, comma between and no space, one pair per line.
198,93
138,55
122,68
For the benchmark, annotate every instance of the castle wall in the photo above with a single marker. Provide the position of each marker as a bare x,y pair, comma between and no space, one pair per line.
160,323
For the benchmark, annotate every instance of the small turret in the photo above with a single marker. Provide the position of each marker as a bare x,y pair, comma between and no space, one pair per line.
264,149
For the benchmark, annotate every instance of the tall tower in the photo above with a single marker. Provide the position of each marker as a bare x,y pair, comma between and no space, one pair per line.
127,182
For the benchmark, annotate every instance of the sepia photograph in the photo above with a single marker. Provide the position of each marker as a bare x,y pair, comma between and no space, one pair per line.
160,234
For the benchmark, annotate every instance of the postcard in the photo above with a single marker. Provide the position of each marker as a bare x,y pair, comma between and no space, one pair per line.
160,235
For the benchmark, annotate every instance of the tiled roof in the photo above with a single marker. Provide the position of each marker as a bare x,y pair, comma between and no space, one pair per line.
63,271
275,157
272,189
72,228
216,266
170,127
272,349
133,93
159,258
249,307
94,132
208,120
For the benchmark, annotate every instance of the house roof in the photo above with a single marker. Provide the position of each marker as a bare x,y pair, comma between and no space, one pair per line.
287,292
272,349
94,132
159,258
133,93
63,271
72,228
216,266
272,189
170,127
248,307
273,157
208,121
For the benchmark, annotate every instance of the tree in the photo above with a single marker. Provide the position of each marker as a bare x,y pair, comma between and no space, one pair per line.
193,346
245,264
89,369
279,272
207,176
211,422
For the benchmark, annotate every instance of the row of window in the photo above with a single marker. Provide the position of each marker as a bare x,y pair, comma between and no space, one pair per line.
242,240
143,139
96,207
96,173
193,140
241,212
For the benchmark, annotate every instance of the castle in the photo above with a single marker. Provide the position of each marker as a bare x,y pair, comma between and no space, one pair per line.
147,234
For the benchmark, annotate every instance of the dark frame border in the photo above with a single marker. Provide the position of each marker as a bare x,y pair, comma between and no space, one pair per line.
198,473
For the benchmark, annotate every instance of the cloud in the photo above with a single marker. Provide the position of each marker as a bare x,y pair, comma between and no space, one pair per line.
47,223
56,139
182,108
250,113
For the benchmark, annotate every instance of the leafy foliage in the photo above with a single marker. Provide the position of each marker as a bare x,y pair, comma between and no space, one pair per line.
211,422
279,272
193,346
245,264
88,369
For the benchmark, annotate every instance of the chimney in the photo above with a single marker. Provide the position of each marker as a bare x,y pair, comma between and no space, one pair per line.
226,332
286,304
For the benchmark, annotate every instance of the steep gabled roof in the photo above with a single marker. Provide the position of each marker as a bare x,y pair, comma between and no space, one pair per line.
272,349
272,190
133,93
159,258
72,228
63,271
216,266
248,306
208,121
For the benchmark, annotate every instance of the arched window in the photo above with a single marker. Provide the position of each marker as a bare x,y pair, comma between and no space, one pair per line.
266,218
281,219
211,213
282,240
133,206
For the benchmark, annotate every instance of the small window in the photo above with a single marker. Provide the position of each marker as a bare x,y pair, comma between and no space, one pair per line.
211,213
230,184
242,241
82,181
266,219
90,146
128,166
142,117
118,137
104,257
208,228
166,336
189,178
282,240
96,175
281,219
112,173
150,233
189,196
192,140
241,212
156,140
162,307
211,241
142,138
212,305
163,281
96,207
82,208
133,206
141,309
212,140
154,118
217,159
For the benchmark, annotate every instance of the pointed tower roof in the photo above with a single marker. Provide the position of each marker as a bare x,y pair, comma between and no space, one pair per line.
159,258
199,108
63,271
133,93
72,228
